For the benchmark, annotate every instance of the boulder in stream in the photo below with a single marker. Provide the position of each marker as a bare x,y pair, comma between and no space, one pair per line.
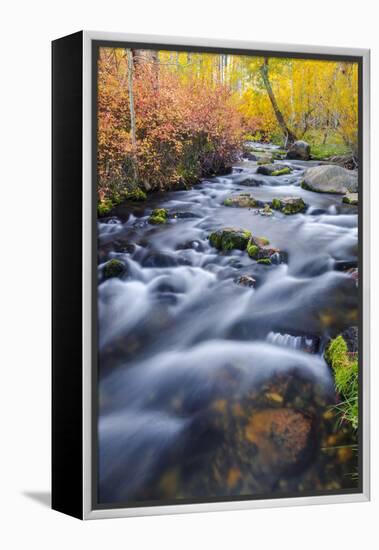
259,250
300,150
329,178
289,205
243,200
274,169
114,268
246,280
230,238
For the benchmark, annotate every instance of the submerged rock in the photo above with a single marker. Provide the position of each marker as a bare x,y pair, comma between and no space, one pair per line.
330,179
158,216
274,169
114,268
243,200
300,150
230,238
289,205
283,436
351,198
265,159
246,280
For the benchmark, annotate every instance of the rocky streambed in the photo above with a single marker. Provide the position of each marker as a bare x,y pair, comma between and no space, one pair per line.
215,305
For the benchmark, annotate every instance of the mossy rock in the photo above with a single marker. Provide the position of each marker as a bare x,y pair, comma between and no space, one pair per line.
282,172
253,250
230,238
265,159
114,268
244,200
289,205
274,169
258,249
351,198
158,216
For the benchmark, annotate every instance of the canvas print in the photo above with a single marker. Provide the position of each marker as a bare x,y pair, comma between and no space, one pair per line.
227,189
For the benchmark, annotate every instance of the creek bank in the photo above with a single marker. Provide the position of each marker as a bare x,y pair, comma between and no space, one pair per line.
341,354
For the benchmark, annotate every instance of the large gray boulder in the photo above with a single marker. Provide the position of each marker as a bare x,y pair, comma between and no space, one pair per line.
300,150
329,178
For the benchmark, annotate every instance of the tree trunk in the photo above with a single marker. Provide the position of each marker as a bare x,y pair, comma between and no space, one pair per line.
132,114
289,135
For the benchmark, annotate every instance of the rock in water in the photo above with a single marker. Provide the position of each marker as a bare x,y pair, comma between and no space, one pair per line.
243,200
329,178
300,150
274,169
351,198
230,238
246,280
289,205
258,249
282,436
114,268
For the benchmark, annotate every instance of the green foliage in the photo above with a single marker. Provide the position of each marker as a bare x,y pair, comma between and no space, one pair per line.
113,268
276,204
136,194
264,261
321,151
345,369
158,216
104,207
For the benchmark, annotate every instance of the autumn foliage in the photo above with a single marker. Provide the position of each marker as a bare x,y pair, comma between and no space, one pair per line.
193,111
184,130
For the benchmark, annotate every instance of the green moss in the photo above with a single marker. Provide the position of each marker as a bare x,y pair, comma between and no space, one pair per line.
158,216
104,207
113,268
264,261
281,172
345,369
322,151
276,204
253,251
229,239
136,195
228,202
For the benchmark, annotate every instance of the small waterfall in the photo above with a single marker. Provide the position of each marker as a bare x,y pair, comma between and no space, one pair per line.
285,340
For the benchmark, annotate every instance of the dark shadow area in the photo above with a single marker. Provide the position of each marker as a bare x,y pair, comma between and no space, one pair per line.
42,497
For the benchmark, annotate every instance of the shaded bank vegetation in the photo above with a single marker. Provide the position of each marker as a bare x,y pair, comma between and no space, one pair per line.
170,118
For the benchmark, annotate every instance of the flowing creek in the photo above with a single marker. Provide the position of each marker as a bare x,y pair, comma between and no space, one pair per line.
211,389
